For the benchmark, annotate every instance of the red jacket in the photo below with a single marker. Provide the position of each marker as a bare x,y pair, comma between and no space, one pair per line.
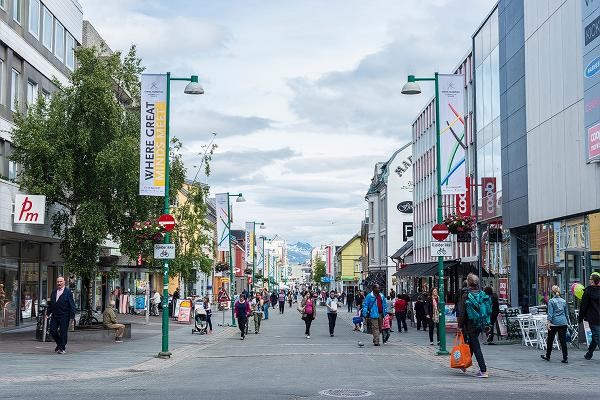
400,305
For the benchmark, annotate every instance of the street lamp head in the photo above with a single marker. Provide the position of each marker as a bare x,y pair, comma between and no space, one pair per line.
194,86
411,87
262,226
240,199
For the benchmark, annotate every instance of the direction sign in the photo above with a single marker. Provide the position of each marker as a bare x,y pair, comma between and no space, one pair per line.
441,249
439,232
167,221
164,251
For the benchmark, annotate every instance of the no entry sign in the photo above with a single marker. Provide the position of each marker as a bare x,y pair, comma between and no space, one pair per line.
167,221
439,232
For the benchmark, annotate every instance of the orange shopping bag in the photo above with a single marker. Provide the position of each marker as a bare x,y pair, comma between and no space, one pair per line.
460,356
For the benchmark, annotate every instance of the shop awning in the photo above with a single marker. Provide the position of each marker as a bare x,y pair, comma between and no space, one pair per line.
398,255
424,269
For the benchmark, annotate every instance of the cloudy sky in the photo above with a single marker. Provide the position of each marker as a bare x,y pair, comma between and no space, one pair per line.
304,95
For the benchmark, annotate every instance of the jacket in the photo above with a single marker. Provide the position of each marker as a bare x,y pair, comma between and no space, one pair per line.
420,309
558,311
430,310
65,306
245,306
400,305
109,317
370,306
303,307
387,322
463,320
590,305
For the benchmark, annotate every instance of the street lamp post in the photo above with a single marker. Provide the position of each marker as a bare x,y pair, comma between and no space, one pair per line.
412,87
239,199
193,87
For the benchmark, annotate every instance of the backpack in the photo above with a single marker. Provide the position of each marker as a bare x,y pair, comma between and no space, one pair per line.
479,309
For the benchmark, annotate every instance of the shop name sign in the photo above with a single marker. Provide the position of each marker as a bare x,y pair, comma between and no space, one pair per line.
29,209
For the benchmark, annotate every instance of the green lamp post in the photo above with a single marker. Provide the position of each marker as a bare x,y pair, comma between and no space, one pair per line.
193,87
239,199
412,87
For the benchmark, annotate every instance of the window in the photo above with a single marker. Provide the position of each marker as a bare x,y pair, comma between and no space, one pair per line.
12,170
34,17
47,29
16,10
14,89
46,94
59,41
70,58
1,77
3,4
32,93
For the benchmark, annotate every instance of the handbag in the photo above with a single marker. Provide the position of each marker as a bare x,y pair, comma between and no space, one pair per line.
460,356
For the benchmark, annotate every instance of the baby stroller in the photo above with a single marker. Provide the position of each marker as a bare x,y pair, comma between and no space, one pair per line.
200,323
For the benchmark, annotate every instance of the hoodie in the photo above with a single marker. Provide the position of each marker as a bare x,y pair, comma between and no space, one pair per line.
590,305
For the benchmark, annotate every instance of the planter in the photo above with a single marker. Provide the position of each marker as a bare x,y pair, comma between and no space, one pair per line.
463,237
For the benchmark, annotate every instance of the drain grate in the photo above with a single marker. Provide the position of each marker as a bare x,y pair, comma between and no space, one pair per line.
345,393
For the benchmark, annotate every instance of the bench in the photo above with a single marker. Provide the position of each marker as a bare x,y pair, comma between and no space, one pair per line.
98,333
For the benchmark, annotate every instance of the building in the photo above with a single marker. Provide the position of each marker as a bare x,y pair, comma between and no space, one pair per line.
37,45
422,273
348,258
390,215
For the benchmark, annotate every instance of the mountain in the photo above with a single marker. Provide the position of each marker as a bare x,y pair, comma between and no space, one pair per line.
298,253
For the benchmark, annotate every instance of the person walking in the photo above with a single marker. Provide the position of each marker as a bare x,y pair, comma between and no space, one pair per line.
273,299
433,315
290,298
208,310
494,317
257,311
558,320
400,306
265,298
309,311
386,325
332,307
175,297
61,309
350,301
590,312
359,298
281,301
242,312
109,320
420,312
476,308
374,309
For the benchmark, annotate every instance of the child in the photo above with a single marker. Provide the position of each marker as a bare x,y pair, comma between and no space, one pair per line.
386,326
357,321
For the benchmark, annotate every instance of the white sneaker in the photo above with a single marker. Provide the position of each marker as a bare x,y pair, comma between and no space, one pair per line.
308,336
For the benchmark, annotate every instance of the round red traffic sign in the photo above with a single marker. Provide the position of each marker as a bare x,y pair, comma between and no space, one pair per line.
439,232
167,221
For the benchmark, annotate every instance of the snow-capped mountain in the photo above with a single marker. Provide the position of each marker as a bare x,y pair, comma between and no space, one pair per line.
298,253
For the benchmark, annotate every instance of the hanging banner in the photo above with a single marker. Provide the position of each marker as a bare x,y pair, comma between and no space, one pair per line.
488,189
330,255
452,133
463,201
222,204
249,242
260,258
590,14
153,135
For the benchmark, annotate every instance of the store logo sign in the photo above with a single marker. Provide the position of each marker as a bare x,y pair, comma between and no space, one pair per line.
29,209
405,207
592,68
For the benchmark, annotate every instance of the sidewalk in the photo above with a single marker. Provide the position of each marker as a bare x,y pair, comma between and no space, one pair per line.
26,359
506,358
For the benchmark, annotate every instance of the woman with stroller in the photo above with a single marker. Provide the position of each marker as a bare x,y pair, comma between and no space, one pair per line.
242,312
207,308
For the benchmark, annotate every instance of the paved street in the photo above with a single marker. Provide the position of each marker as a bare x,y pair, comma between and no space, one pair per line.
280,363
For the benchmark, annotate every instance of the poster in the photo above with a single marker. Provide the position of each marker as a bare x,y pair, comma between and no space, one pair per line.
590,12
184,311
153,134
222,204
503,289
452,133
249,242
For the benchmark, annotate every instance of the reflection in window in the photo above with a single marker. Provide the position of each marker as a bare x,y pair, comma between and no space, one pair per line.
479,97
487,91
495,89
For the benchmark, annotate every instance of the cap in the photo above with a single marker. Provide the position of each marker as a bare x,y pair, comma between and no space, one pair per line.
595,274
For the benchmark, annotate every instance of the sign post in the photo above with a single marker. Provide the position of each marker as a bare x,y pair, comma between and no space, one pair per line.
440,232
167,221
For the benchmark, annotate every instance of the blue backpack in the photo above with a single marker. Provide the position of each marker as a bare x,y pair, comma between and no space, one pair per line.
479,309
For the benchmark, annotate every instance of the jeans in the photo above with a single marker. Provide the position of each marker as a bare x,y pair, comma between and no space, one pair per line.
281,307
307,322
562,338
266,309
242,324
331,317
421,321
208,321
432,326
376,329
59,326
350,306
401,319
473,340
385,333
257,319
494,324
595,339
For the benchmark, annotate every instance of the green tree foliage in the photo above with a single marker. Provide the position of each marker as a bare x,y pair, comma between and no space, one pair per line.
318,270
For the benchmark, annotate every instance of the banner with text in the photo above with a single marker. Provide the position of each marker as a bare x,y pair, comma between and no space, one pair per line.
260,258
452,133
249,242
153,135
222,203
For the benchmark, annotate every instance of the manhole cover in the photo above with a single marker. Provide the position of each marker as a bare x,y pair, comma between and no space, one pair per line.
345,393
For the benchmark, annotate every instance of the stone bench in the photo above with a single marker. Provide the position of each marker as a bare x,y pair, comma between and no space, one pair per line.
98,333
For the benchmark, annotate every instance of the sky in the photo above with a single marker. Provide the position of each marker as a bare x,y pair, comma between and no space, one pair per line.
304,96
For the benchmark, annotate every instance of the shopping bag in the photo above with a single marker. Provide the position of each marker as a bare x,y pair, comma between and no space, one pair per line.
460,356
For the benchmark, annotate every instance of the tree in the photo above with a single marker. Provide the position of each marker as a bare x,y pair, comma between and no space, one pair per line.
318,270
81,150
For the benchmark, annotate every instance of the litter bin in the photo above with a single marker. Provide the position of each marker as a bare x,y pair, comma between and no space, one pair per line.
42,329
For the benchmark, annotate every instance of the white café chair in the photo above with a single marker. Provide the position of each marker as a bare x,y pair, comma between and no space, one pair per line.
528,330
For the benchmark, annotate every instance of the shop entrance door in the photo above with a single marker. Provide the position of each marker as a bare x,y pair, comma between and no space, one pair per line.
578,267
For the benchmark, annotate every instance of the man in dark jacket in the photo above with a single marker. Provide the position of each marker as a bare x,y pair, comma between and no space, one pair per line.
495,312
350,300
62,309
590,312
469,329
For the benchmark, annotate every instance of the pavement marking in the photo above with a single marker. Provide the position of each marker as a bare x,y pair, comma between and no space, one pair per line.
291,354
